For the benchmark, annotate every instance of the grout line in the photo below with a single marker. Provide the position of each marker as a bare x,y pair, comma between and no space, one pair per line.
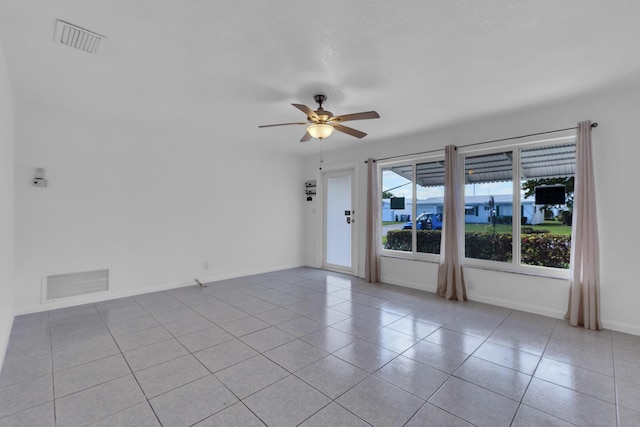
615,384
53,379
297,288
130,370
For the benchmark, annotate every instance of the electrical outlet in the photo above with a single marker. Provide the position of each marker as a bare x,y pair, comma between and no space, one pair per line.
205,265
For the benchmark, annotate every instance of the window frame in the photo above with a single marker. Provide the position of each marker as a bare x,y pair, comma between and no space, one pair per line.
413,161
516,145
515,266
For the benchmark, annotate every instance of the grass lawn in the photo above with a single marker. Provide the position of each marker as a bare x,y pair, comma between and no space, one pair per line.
553,227
392,222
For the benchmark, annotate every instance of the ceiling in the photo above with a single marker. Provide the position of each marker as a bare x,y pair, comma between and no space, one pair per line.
223,67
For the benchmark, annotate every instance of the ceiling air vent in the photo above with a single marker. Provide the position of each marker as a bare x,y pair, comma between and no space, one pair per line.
78,37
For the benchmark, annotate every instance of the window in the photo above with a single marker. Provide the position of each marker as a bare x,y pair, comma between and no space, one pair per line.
513,228
472,210
429,206
397,182
417,228
505,228
545,231
489,182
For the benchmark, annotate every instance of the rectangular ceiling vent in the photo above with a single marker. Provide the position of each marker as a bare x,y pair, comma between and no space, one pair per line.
58,286
77,37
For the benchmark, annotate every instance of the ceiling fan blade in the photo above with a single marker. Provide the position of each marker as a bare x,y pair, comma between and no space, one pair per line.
350,131
356,116
308,111
283,124
306,137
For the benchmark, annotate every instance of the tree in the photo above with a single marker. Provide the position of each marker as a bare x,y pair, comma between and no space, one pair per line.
387,195
529,188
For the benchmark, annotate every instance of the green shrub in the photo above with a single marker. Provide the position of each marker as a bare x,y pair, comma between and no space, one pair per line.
548,250
531,230
428,241
566,217
399,240
491,246
503,219
544,249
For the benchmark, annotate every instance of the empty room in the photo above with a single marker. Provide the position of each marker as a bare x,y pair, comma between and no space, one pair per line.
244,213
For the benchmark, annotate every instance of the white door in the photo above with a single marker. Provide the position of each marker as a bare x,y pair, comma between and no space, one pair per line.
338,221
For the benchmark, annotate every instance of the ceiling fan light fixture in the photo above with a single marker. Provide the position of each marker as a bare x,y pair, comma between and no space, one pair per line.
321,123
320,130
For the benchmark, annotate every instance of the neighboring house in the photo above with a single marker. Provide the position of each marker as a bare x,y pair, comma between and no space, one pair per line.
477,209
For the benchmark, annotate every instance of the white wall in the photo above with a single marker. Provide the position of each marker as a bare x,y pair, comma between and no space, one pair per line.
149,203
616,153
7,111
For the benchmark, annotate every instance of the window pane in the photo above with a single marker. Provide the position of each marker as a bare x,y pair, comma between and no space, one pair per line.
396,212
547,176
489,206
429,206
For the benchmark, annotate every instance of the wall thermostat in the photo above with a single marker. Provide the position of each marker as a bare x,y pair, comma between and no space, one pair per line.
39,179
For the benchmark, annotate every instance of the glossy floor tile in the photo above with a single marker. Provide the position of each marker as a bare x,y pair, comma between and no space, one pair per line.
310,347
381,403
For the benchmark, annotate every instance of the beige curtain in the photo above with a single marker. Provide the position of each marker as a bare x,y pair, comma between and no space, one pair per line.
450,277
372,261
584,273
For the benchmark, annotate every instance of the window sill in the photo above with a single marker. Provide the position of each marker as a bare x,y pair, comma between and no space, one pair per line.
527,270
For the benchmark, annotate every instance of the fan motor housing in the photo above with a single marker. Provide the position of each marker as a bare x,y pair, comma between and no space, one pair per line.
323,115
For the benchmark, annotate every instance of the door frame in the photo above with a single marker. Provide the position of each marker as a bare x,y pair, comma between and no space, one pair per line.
352,168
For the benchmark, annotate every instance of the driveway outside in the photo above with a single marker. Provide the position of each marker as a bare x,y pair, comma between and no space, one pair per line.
390,227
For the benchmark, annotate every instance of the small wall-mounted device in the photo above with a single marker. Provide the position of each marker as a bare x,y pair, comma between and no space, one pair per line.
310,189
39,179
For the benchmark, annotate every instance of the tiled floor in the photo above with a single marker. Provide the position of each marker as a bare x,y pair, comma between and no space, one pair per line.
312,348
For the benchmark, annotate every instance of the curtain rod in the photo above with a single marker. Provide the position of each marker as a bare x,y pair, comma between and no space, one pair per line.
593,125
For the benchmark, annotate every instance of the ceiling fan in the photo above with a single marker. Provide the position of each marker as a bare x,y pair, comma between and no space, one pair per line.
321,123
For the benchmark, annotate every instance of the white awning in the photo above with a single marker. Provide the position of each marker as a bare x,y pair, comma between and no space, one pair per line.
536,163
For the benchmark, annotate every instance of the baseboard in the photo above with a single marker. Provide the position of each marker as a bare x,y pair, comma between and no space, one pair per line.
626,328
4,340
543,311
407,284
102,296
480,298
105,296
217,278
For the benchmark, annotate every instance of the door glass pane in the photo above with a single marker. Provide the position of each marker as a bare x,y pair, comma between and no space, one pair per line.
489,206
547,177
429,206
338,223
397,201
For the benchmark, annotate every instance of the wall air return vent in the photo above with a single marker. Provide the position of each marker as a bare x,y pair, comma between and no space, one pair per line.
58,286
78,37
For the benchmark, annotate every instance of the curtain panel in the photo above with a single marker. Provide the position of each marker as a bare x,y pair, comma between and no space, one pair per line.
584,270
450,275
